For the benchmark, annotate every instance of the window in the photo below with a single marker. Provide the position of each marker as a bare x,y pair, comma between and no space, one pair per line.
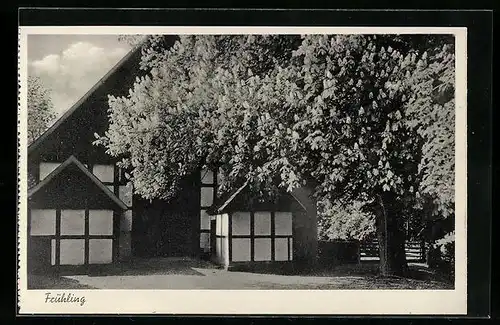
281,249
283,223
125,194
262,223
72,251
100,222
206,196
72,222
46,168
207,177
105,173
241,223
262,249
204,220
205,241
241,249
43,222
264,235
100,251
86,236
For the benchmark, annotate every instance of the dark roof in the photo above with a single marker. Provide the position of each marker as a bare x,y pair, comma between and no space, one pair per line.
242,198
221,204
72,161
85,97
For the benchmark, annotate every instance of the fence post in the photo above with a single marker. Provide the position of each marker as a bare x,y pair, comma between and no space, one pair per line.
423,258
359,251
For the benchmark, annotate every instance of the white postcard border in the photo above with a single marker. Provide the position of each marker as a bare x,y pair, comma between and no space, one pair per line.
329,302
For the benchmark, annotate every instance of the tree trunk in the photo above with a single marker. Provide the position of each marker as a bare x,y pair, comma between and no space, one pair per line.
391,237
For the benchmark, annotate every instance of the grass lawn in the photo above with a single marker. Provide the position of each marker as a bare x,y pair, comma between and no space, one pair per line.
191,274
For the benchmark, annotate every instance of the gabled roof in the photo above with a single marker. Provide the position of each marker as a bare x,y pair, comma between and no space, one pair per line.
242,198
73,161
219,206
85,97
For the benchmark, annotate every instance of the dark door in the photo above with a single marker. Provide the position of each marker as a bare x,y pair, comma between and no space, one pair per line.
161,229
213,240
177,237
167,228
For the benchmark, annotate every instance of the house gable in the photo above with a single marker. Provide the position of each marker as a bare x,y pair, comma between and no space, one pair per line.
72,185
73,132
242,199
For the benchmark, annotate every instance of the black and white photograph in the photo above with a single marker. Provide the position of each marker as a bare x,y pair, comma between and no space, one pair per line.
279,161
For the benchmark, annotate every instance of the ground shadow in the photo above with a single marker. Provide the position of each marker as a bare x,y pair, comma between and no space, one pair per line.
417,271
134,267
54,282
319,270
151,266
346,276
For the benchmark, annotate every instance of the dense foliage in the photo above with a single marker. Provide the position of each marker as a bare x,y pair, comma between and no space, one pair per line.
131,40
361,118
442,255
337,221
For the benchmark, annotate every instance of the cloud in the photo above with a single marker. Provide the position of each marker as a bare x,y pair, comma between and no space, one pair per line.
71,73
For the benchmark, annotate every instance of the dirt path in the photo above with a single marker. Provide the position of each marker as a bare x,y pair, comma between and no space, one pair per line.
188,274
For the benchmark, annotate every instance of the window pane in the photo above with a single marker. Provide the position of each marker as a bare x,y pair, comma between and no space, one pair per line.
241,249
207,176
204,220
100,222
281,249
283,223
205,241
100,251
262,223
105,173
72,251
262,249
125,194
72,222
46,168
43,222
240,223
53,252
206,196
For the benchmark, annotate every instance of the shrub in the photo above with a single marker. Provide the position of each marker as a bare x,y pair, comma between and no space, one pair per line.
442,255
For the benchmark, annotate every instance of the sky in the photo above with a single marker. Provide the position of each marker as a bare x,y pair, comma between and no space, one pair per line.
69,65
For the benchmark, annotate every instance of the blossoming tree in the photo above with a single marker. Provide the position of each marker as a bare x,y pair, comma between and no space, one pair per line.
360,118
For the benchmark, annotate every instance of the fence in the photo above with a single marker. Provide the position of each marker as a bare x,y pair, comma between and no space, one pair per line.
415,250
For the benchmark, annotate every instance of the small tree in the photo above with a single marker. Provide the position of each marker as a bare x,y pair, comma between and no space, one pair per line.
40,108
